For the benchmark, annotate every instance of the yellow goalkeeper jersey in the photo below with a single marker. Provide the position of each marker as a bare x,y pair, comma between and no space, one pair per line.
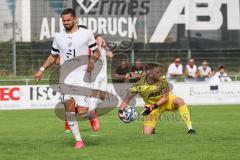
150,93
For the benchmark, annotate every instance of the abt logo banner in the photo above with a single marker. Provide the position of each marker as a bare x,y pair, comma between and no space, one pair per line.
194,11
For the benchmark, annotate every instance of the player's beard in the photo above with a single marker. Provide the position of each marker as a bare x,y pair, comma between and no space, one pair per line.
69,27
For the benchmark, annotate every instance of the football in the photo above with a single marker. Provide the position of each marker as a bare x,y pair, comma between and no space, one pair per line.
130,114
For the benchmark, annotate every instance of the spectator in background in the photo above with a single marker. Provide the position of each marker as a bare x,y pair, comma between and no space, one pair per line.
175,70
214,81
191,71
205,72
222,75
137,71
122,72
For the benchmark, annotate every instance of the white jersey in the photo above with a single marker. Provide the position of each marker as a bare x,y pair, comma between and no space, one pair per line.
103,59
71,45
100,82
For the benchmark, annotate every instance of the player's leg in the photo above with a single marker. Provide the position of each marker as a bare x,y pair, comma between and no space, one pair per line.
184,112
102,88
93,99
94,117
70,108
93,103
151,120
67,128
82,111
99,88
148,129
95,93
102,95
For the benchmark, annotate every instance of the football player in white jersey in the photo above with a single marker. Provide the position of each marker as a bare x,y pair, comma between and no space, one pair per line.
70,43
100,84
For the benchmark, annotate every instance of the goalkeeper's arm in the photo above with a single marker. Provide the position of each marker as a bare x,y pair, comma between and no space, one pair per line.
125,102
161,101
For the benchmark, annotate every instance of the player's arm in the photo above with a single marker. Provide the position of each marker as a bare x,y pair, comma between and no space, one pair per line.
165,95
161,101
150,108
109,53
95,56
133,91
125,102
49,62
95,52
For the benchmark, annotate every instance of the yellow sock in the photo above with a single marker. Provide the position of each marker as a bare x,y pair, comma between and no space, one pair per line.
184,112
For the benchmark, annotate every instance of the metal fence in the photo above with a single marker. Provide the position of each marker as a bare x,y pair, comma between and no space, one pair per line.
31,56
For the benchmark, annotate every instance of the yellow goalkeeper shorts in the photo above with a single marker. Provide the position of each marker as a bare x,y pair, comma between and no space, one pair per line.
152,119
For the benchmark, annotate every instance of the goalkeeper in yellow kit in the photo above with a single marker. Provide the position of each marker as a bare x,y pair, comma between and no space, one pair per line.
154,89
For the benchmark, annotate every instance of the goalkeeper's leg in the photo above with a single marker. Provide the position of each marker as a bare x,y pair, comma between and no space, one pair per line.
151,120
185,114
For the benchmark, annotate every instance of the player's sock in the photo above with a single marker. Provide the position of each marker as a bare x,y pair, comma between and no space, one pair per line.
93,104
94,121
184,112
73,124
66,124
67,129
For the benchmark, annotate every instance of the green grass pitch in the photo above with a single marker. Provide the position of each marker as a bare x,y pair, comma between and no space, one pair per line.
39,134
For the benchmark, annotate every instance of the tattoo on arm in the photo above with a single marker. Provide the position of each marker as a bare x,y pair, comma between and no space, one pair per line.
50,61
95,55
126,100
